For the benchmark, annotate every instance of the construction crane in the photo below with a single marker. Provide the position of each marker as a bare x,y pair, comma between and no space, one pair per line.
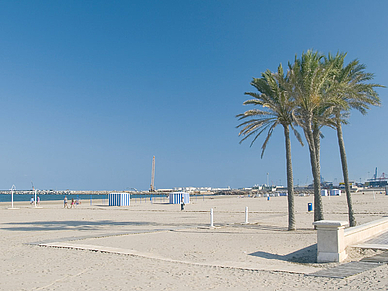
376,178
152,188
383,177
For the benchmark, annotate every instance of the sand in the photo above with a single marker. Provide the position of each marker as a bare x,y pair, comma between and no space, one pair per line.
156,246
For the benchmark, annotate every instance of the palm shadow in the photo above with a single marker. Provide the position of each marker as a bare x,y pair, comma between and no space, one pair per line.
305,255
70,224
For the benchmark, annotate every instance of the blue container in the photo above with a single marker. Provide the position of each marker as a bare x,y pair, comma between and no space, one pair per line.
310,207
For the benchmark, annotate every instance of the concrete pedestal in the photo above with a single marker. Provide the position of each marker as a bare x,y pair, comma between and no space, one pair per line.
331,241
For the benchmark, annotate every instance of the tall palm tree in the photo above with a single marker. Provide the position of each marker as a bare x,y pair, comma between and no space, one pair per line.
349,85
277,108
310,77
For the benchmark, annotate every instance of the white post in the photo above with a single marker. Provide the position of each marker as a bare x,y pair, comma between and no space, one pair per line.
246,214
374,195
35,198
211,218
13,186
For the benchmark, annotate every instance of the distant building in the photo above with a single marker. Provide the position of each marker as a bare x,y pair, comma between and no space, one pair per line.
200,190
376,184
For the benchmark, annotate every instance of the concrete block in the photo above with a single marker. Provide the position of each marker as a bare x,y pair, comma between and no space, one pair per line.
331,241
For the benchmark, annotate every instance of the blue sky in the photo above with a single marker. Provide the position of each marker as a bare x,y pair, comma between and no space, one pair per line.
92,90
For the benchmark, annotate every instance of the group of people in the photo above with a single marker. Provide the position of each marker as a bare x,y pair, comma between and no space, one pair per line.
73,203
37,200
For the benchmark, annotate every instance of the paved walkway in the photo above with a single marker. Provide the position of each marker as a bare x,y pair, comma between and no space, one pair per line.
379,243
345,270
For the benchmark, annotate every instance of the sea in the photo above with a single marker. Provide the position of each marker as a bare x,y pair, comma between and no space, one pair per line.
50,197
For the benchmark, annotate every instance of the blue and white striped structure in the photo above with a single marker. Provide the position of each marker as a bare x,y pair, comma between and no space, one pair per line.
119,199
335,192
176,197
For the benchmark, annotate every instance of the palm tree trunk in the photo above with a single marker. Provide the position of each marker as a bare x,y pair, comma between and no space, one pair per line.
352,220
290,181
317,145
318,208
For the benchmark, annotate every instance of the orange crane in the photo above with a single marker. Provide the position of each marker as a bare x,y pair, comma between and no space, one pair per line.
152,188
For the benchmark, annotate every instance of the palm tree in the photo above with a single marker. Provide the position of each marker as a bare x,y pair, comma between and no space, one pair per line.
350,87
278,108
309,78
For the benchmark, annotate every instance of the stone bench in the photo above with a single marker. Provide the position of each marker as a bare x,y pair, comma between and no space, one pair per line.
333,238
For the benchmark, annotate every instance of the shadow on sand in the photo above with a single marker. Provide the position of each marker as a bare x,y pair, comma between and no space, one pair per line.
71,224
305,255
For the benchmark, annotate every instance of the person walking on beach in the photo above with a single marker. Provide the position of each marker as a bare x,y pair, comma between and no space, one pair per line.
65,202
32,200
38,200
183,203
72,203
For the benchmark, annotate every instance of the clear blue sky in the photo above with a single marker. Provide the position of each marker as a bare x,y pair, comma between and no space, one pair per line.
92,90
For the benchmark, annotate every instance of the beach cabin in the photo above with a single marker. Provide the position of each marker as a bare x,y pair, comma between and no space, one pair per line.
178,197
324,192
119,199
335,192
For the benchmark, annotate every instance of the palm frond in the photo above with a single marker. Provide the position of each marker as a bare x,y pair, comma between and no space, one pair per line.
275,102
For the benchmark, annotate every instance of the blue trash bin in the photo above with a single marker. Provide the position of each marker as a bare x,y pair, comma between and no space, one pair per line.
310,207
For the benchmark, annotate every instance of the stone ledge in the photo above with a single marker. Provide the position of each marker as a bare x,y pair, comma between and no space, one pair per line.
333,238
330,223
363,232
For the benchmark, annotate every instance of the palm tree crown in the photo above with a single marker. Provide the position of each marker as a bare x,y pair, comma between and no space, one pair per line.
278,107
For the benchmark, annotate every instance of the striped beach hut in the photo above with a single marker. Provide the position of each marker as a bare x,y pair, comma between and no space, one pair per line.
177,197
119,199
335,192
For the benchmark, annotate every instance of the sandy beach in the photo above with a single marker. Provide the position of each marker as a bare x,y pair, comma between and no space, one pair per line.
156,246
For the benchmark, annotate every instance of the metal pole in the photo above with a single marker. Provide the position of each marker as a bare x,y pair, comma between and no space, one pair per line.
246,214
35,198
211,218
